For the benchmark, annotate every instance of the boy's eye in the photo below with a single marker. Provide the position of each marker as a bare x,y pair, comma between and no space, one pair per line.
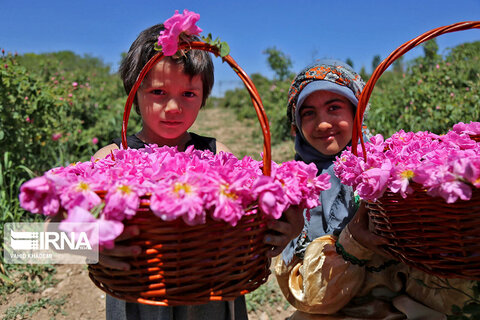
189,94
158,92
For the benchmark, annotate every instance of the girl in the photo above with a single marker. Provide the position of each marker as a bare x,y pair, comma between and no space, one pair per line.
336,268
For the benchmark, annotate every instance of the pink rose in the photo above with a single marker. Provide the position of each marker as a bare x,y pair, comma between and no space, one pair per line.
271,198
38,196
174,27
374,182
56,136
102,232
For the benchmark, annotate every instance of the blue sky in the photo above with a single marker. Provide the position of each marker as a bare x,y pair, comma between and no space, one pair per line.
305,30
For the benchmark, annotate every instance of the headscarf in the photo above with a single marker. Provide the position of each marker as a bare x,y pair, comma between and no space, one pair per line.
338,203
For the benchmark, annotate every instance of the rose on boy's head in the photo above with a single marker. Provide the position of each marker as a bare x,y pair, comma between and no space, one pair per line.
175,27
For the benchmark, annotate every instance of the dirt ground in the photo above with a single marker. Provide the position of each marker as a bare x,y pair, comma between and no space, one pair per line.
84,301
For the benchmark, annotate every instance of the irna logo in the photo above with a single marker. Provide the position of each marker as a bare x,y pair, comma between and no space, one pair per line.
37,243
59,240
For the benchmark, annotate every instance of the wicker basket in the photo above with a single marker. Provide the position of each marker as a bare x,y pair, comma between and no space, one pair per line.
181,264
425,232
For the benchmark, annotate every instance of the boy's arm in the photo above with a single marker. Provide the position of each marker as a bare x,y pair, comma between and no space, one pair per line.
116,258
222,147
282,231
103,152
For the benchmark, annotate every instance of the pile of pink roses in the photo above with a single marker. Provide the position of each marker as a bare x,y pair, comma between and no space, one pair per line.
189,185
447,166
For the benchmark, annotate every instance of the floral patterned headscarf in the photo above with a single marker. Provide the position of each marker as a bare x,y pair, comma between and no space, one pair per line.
333,71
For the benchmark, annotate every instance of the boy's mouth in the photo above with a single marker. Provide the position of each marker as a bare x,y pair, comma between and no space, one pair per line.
171,123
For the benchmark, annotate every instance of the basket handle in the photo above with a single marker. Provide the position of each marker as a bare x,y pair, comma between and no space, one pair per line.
404,48
257,102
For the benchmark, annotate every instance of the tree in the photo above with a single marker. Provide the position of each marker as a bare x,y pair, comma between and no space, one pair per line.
349,62
430,49
433,93
398,65
376,61
279,62
363,73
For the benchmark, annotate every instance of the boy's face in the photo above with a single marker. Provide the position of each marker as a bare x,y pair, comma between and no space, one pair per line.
169,101
327,121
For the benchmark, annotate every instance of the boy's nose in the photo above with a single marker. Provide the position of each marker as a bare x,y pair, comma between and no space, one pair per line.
173,106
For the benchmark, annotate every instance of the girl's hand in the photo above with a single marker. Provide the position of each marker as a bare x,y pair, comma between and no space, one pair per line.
360,229
282,231
109,257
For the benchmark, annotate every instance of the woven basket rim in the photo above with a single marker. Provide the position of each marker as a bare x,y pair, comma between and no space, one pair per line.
383,66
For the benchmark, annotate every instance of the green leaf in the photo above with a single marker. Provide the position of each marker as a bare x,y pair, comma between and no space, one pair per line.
224,49
157,47
28,171
208,38
97,210
6,279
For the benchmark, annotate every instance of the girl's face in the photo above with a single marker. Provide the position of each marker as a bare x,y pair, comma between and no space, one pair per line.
327,121
169,101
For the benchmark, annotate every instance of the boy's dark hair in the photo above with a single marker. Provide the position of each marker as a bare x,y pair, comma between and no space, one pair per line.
194,62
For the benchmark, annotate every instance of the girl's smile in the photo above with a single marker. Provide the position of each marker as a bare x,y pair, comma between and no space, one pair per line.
327,137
